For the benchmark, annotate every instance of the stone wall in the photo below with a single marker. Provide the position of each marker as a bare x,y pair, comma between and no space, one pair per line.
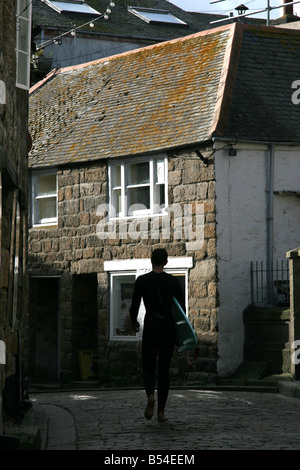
13,168
294,333
73,248
190,180
267,338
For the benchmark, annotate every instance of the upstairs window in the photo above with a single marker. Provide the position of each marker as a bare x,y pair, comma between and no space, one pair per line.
44,198
74,6
152,15
138,187
23,43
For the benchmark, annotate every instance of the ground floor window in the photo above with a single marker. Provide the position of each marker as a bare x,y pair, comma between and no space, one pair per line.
122,276
121,294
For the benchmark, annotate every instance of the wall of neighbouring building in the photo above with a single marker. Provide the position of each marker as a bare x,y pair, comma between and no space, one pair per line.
13,212
244,233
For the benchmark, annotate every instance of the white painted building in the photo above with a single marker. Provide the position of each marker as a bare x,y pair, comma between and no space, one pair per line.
258,219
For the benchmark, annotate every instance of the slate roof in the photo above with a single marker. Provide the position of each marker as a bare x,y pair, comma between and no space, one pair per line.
233,79
122,23
262,108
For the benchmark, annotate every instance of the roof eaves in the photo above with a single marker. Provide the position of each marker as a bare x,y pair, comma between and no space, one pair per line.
42,82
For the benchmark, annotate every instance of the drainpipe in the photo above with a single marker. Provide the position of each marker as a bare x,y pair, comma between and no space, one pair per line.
270,191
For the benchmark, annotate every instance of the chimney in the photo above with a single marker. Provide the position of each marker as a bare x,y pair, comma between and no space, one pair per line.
288,10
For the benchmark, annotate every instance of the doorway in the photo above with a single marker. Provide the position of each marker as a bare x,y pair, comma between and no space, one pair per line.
45,309
84,318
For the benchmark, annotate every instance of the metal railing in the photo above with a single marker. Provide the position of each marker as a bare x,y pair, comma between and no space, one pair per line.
270,284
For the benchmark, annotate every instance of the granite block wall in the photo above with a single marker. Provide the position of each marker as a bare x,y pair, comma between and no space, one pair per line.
73,249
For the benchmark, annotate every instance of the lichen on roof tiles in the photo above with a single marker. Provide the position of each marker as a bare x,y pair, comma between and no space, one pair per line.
232,81
142,101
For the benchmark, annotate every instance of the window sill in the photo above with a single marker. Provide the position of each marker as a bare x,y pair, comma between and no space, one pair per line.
44,226
126,339
140,216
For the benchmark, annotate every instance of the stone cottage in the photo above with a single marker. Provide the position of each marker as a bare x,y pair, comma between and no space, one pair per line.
15,35
191,144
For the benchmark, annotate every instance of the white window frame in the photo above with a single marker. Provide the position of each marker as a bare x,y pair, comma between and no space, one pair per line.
50,221
136,268
23,48
154,15
68,6
113,307
158,165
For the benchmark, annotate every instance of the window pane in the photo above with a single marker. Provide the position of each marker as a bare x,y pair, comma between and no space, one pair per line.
46,208
75,7
181,278
116,175
160,194
46,185
162,17
23,35
23,8
22,69
122,291
138,173
153,15
160,171
117,202
139,196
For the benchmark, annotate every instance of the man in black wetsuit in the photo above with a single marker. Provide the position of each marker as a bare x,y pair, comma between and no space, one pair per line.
157,288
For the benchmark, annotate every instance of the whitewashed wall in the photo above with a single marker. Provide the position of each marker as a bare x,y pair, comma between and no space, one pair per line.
286,206
241,212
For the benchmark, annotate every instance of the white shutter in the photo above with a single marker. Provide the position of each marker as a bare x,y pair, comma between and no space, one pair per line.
23,43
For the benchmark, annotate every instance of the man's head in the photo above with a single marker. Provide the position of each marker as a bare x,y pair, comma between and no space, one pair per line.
159,257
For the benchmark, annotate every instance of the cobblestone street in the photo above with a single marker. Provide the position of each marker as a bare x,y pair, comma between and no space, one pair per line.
197,420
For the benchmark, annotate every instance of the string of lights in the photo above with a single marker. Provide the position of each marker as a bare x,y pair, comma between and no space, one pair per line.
58,39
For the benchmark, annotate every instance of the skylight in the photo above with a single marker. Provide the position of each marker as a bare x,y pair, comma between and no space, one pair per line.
152,15
74,6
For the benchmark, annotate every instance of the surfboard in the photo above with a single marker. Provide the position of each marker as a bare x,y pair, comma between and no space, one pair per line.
185,335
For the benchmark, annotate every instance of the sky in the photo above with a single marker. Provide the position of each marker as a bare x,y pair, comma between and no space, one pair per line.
226,6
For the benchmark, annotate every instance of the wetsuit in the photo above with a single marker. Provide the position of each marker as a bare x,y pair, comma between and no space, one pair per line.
157,291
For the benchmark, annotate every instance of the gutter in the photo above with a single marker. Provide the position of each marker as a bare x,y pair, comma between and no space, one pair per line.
234,141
